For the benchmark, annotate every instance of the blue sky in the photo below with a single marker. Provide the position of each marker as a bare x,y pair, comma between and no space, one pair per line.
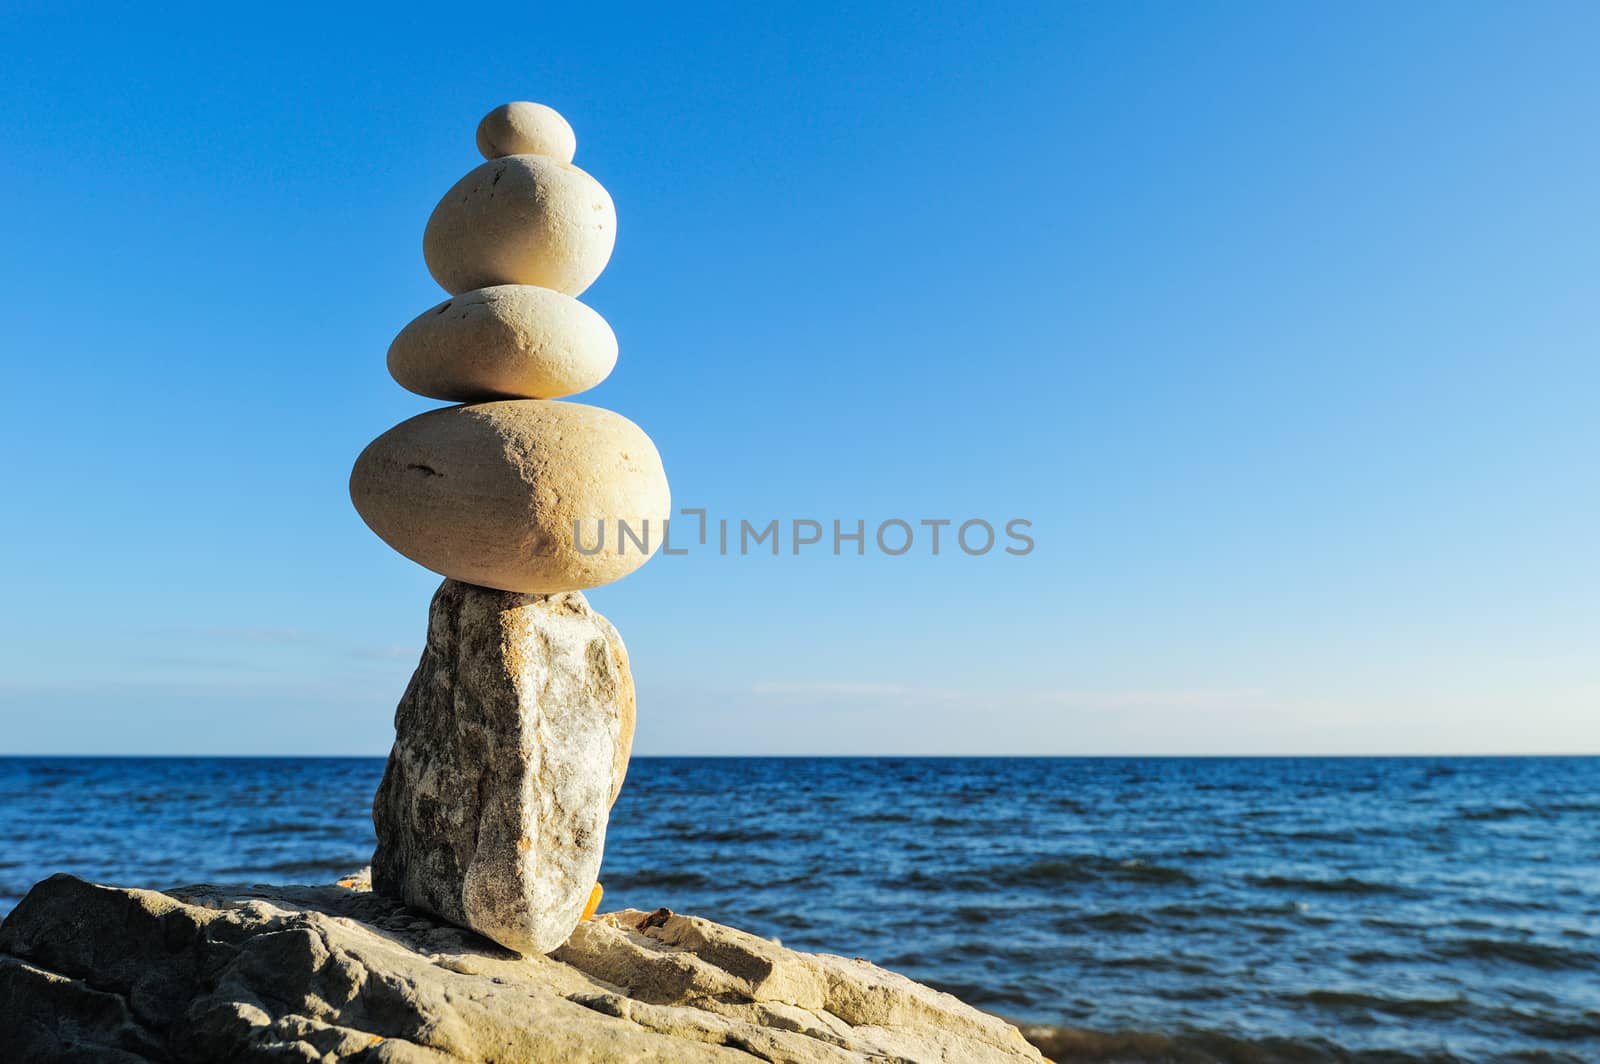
1278,322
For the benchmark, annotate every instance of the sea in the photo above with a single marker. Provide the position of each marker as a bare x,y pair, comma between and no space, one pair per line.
1122,909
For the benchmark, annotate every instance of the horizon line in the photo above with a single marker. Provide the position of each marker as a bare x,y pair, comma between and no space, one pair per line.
847,757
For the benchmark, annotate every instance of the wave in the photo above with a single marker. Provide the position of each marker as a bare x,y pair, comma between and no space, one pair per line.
1555,1025
1182,964
1091,868
1413,1008
1067,1045
337,866
1116,921
1315,835
1512,905
1529,954
295,827
1574,807
1190,911
656,880
1074,1045
1573,1028
1496,812
1045,874
1379,956
727,836
1343,885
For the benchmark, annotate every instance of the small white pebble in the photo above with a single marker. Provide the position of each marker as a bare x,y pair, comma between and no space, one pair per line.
523,128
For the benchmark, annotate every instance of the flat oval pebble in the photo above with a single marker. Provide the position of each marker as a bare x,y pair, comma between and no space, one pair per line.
523,128
504,342
488,494
523,219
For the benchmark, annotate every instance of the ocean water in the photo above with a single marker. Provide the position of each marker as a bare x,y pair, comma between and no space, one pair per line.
1212,909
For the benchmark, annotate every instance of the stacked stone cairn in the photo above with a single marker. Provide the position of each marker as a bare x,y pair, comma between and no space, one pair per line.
512,739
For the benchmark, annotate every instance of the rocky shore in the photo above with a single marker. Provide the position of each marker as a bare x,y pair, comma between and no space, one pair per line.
338,973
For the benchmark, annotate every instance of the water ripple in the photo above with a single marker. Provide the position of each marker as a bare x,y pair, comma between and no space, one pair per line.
1194,910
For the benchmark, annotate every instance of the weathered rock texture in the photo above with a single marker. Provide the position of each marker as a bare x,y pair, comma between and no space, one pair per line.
328,974
510,746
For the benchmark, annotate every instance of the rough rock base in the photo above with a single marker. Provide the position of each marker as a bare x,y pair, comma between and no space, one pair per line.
329,974
510,746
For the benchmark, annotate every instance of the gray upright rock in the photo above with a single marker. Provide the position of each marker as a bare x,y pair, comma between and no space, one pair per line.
510,746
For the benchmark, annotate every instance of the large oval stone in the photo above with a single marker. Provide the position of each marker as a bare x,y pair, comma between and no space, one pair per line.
491,493
506,341
521,219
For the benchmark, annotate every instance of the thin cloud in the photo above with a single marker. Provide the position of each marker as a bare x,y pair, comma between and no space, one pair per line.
260,636
267,636
1188,697
391,652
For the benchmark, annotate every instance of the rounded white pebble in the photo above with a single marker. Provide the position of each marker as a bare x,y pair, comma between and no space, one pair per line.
523,128
506,342
521,219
